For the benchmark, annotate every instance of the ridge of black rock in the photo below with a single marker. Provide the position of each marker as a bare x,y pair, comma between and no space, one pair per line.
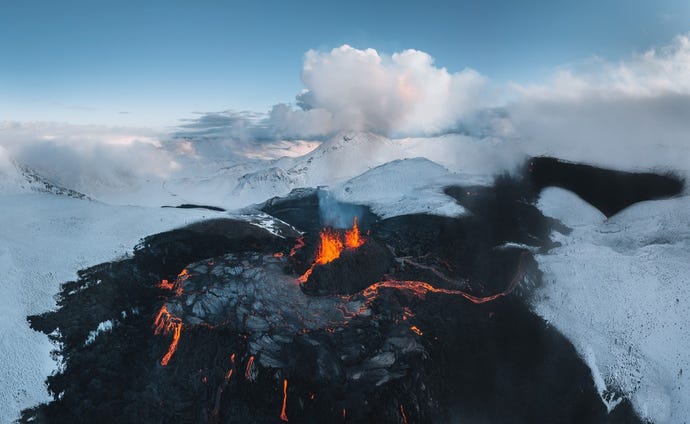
193,206
608,190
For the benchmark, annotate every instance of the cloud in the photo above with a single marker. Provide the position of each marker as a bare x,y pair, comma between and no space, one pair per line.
404,93
631,114
658,71
346,88
88,157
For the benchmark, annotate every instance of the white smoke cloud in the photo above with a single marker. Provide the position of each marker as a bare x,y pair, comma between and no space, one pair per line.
404,93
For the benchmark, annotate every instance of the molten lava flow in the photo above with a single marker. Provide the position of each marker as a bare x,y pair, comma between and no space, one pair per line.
167,323
248,372
183,275
232,368
173,346
298,245
402,413
419,289
164,321
353,239
165,284
416,330
283,414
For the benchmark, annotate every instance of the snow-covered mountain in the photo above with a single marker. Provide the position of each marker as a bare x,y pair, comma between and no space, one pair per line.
16,178
343,156
403,186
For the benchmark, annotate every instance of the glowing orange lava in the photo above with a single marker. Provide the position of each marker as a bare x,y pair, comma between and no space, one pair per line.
232,369
167,323
183,275
402,413
416,330
419,289
165,284
331,246
177,331
298,245
353,239
283,414
248,370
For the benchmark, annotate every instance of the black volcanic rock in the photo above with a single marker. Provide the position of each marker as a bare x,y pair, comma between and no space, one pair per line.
447,337
608,190
353,271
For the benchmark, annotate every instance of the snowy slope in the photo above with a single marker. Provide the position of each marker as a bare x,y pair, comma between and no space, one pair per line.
16,178
619,289
341,157
44,240
403,187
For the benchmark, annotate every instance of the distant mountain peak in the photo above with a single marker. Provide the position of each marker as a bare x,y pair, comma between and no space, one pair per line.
16,178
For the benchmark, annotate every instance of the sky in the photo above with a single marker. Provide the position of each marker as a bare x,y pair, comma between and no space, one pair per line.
150,64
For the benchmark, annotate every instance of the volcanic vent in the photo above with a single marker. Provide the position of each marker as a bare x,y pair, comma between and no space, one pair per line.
345,263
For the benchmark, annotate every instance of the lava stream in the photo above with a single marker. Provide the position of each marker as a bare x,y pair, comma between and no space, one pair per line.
420,288
167,323
283,414
173,346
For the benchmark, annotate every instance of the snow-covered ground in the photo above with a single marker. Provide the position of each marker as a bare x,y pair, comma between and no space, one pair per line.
619,289
44,240
404,187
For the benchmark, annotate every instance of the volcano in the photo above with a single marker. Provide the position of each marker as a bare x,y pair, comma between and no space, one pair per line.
406,319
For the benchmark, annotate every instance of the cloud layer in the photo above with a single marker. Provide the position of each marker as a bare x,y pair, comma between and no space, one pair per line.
632,114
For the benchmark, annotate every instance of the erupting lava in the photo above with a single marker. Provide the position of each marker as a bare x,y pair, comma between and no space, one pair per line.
331,246
352,237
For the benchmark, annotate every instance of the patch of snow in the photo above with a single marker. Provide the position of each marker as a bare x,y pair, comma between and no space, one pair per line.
102,328
568,207
403,187
619,289
44,240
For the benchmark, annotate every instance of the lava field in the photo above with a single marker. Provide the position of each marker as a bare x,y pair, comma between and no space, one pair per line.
409,319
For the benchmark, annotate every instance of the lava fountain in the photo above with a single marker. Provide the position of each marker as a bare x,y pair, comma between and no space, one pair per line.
331,245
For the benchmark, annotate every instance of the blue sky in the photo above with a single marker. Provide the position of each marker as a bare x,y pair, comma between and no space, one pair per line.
151,63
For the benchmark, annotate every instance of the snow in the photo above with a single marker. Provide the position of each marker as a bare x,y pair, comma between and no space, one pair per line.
619,290
102,328
44,240
403,187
